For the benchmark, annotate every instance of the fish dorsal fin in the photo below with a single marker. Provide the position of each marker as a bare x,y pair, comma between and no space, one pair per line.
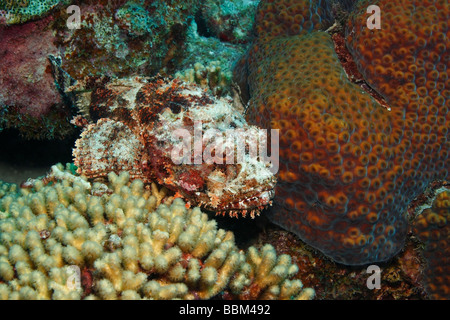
63,80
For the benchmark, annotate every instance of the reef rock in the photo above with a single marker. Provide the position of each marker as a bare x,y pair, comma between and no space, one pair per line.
29,99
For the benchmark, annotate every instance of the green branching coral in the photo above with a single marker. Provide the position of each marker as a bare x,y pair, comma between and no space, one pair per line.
71,239
15,12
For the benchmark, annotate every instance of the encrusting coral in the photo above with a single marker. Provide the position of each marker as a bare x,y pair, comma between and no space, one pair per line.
349,167
61,240
432,227
324,152
275,18
14,12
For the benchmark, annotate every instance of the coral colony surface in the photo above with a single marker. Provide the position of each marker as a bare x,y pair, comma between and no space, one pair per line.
226,149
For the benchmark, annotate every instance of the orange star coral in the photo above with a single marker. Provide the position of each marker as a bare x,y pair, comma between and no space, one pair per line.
349,167
433,228
288,17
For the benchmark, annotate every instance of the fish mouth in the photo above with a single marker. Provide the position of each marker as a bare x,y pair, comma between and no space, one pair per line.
252,205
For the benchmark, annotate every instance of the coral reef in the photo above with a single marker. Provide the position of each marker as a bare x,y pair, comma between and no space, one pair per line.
208,62
125,38
349,166
15,12
406,60
400,279
211,77
60,241
115,38
229,20
29,99
275,18
432,227
325,153
178,135
363,115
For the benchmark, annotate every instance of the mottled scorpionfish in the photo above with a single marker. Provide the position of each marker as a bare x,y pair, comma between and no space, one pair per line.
136,125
